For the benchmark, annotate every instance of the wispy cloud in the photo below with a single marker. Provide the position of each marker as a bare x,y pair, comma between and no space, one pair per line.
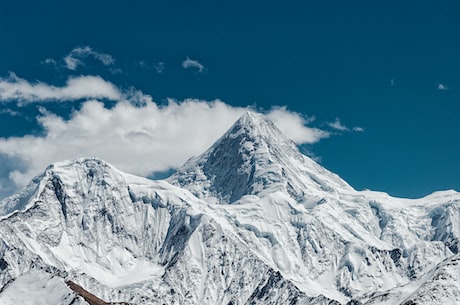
72,62
50,61
337,125
11,112
193,64
18,89
159,67
442,87
75,58
143,64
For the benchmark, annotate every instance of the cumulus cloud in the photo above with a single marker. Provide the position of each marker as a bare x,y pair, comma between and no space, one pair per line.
137,139
192,64
74,58
14,88
358,129
293,124
442,87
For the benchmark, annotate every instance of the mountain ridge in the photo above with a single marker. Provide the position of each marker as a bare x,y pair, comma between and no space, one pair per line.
257,241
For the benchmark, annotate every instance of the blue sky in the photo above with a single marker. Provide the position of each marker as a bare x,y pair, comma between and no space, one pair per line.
369,88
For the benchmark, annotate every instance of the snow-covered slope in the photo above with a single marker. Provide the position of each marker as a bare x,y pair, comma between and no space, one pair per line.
251,221
126,238
254,157
39,288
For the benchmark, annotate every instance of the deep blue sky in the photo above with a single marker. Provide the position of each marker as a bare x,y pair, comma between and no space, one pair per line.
375,64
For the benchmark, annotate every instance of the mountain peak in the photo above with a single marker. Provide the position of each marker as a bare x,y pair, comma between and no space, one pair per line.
89,166
302,236
252,118
89,172
257,125
253,158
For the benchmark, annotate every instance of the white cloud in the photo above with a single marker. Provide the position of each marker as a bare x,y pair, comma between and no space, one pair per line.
442,87
74,58
338,125
137,139
136,134
293,125
14,88
358,129
194,64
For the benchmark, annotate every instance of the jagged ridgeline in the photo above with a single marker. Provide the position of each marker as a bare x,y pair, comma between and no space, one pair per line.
250,221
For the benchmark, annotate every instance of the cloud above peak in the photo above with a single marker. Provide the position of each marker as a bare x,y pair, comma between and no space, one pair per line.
193,64
293,125
14,88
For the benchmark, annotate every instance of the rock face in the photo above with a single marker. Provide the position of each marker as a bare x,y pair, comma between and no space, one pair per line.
251,221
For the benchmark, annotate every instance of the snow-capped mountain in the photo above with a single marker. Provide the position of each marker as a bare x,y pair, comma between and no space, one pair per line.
255,158
251,221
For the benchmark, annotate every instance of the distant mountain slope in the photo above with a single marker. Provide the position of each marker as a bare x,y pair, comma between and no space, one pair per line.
251,221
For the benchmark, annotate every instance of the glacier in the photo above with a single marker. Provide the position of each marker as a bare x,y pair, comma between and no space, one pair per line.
250,221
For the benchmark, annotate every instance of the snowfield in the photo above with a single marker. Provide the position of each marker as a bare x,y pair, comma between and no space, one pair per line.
250,221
